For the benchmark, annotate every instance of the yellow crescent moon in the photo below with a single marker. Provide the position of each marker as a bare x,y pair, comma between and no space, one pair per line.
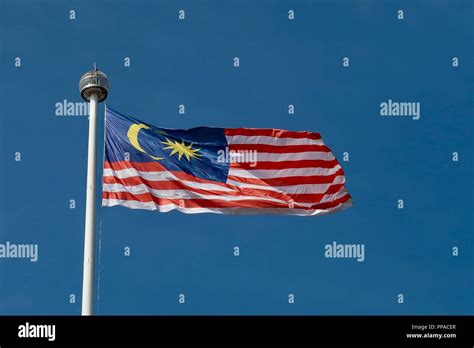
132,135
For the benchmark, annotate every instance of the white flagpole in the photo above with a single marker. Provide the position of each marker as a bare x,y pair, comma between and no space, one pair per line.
94,87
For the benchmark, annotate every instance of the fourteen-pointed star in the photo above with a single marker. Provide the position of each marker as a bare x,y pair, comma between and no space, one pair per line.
181,149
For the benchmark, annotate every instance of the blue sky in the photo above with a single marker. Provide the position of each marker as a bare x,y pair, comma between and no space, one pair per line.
407,251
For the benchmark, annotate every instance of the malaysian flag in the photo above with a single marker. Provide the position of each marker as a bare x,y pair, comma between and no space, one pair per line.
219,170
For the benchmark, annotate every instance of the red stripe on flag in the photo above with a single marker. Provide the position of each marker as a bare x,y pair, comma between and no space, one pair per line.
285,164
275,133
279,149
289,180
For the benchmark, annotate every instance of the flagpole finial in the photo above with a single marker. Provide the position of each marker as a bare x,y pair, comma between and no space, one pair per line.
94,82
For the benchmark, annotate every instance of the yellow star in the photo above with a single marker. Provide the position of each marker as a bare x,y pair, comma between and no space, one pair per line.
181,149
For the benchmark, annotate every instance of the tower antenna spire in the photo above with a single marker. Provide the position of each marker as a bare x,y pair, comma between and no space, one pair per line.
94,87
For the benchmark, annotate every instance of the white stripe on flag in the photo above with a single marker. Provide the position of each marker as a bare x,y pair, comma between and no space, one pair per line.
270,173
264,140
168,207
